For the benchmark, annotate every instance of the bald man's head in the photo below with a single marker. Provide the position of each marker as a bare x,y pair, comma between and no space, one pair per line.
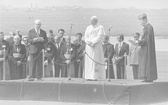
37,24
57,39
68,39
75,40
16,39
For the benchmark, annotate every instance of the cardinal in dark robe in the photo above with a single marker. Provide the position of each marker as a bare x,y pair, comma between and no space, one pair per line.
147,61
17,56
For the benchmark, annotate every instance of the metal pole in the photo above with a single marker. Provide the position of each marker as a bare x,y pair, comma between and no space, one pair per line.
108,67
125,63
53,68
108,63
4,63
68,65
43,63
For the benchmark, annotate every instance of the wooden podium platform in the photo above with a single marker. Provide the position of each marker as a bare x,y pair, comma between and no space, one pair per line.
127,92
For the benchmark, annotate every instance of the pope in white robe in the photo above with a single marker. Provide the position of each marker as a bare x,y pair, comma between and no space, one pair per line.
94,50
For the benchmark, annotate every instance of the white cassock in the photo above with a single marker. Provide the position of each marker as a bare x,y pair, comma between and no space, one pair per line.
92,69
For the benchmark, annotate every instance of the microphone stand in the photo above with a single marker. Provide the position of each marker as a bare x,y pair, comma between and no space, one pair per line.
108,63
69,52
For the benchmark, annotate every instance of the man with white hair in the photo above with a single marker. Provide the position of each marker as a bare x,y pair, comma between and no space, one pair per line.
94,57
37,38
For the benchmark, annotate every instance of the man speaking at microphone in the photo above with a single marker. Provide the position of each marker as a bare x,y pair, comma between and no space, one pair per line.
37,38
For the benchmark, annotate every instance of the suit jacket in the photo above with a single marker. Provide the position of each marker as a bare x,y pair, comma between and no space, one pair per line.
80,50
50,50
124,49
59,56
36,47
108,51
72,50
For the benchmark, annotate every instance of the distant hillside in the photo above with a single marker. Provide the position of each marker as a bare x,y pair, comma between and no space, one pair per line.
123,21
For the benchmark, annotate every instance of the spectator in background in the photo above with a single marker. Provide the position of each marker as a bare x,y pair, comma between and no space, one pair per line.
108,49
10,39
134,54
121,50
50,35
61,33
18,33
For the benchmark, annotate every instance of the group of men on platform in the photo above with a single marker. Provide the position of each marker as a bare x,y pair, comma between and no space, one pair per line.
62,57
66,57
142,53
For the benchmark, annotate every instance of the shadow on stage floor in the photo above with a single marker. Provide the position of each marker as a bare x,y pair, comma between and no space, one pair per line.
128,92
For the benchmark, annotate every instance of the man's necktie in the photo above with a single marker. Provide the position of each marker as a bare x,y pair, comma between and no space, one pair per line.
37,32
119,47
57,46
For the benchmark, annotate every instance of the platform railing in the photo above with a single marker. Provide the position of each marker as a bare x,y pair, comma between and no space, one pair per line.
108,64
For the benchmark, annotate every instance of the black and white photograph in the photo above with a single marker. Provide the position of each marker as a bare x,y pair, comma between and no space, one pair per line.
83,52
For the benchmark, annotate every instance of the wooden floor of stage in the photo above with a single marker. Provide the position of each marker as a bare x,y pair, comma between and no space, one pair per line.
127,82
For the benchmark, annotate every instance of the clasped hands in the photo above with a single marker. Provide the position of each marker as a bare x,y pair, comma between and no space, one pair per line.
90,44
118,58
18,63
1,59
38,39
67,61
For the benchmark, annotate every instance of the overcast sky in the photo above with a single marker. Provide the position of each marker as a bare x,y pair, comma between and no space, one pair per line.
106,4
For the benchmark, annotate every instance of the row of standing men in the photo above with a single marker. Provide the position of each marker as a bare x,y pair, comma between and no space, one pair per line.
23,60
68,58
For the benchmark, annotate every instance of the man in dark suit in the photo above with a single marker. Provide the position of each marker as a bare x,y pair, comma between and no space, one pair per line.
59,58
3,45
79,64
108,49
121,50
37,38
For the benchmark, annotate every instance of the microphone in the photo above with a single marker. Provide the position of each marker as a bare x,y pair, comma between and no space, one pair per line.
110,28
71,25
